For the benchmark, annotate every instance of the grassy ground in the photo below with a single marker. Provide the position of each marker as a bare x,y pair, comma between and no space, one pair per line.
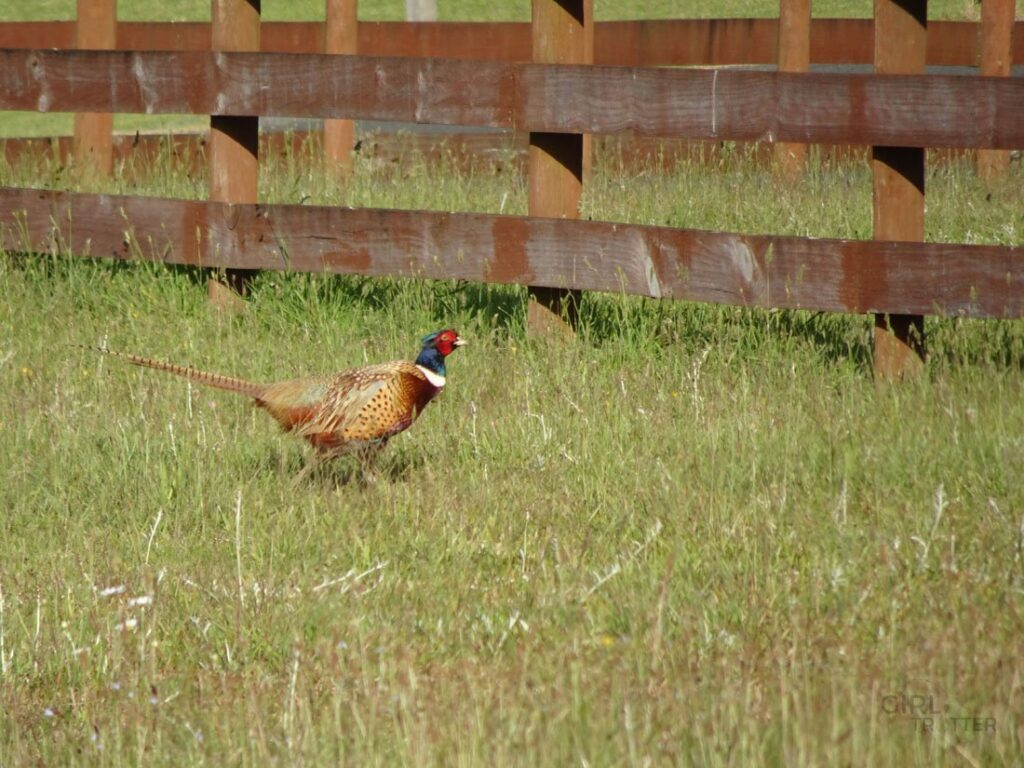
695,535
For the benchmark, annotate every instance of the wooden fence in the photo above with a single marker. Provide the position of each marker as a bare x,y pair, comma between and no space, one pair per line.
726,104
557,104
680,42
661,262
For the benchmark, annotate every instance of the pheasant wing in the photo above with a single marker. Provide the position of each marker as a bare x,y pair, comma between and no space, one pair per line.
347,396
357,407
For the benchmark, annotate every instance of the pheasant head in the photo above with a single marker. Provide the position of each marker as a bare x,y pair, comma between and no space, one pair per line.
436,347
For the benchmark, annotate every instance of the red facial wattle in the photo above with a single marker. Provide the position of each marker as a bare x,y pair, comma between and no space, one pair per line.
447,342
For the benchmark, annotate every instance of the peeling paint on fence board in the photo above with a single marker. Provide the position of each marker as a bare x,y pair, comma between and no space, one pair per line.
693,265
893,110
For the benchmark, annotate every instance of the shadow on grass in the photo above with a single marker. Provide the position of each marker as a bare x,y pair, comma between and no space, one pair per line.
744,333
305,471
48,266
648,325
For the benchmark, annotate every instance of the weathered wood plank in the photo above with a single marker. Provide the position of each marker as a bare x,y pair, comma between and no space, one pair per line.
563,33
170,36
693,265
234,141
507,41
340,36
893,110
911,110
898,182
266,84
794,56
234,135
677,42
37,34
95,28
996,48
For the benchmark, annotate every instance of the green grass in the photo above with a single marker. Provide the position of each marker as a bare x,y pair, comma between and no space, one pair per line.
694,535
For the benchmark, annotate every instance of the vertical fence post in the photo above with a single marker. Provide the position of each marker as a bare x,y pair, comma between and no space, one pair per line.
794,55
561,30
996,55
341,35
96,28
234,140
898,180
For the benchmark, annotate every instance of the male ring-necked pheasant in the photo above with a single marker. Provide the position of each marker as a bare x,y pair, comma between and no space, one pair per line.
354,410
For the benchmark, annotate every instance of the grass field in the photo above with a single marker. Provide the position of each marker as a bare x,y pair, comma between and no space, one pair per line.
694,535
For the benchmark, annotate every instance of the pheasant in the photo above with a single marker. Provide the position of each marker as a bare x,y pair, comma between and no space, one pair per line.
355,410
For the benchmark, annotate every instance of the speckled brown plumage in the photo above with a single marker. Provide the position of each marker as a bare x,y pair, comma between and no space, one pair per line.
356,409
352,409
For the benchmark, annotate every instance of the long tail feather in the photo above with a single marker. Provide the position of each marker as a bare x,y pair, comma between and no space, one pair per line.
241,386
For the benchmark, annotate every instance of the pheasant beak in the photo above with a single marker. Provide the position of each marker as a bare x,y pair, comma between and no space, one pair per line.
459,342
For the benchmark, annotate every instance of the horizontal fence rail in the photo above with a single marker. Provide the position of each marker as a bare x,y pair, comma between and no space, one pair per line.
746,270
677,42
891,110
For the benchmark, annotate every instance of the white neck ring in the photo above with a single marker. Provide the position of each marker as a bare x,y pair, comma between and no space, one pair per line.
434,378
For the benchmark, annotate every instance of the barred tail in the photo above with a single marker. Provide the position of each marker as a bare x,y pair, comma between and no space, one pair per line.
242,387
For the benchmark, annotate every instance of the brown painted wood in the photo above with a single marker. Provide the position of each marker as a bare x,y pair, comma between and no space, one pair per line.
506,41
746,270
563,33
234,136
932,111
679,42
233,145
794,56
419,90
996,52
37,34
898,181
95,29
340,37
171,36
294,36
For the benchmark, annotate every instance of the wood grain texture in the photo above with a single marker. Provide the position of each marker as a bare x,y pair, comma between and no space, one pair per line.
341,34
932,111
233,147
95,28
996,52
234,135
693,265
678,42
794,56
898,175
563,32
276,85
